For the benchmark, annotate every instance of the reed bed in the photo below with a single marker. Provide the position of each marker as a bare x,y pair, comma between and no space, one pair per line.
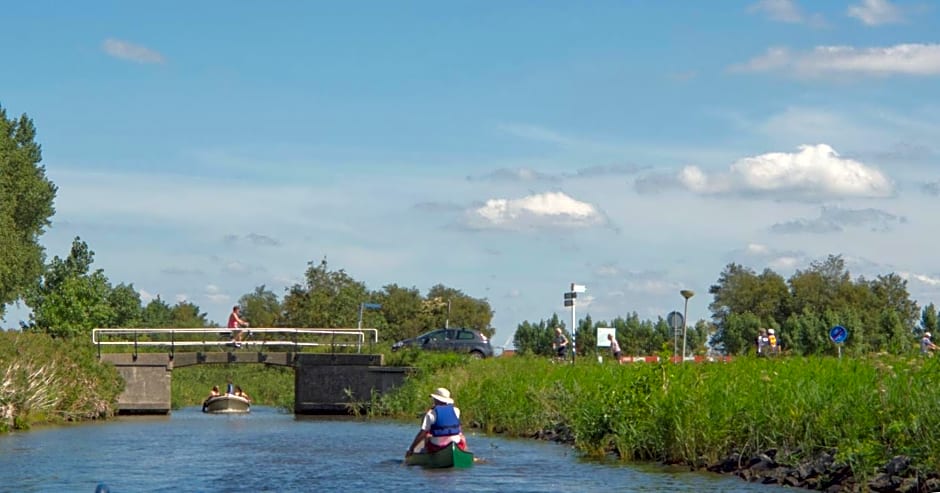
867,410
45,380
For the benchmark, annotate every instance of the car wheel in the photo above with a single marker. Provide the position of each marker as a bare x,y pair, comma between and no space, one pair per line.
476,355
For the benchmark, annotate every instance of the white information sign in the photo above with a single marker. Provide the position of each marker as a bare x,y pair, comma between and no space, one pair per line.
602,336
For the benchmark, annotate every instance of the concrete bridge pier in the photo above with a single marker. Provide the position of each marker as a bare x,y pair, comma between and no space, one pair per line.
147,378
341,383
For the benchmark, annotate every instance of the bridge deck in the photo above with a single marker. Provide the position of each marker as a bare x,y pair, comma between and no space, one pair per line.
254,338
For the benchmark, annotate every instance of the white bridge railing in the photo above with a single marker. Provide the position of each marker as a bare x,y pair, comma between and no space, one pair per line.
252,338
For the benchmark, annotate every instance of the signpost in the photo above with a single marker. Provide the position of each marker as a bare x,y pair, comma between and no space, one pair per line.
570,298
838,334
675,321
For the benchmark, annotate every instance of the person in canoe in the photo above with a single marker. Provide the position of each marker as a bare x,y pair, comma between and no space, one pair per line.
440,426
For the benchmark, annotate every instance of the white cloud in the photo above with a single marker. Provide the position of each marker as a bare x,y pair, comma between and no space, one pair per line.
876,12
785,11
129,51
921,278
903,59
546,210
759,256
815,172
837,219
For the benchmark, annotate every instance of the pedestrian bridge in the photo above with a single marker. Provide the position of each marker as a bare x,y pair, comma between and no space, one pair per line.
332,373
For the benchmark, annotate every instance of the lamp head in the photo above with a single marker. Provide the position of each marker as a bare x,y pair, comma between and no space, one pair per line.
687,293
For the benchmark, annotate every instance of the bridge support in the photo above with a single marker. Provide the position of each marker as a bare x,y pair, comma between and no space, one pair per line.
323,383
147,382
341,383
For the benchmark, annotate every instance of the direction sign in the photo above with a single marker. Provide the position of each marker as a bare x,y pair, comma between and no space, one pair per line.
838,334
569,302
571,296
675,320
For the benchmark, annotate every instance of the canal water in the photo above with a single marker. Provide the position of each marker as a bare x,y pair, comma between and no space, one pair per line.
269,450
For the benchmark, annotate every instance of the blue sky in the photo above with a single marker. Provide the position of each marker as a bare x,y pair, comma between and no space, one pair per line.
506,149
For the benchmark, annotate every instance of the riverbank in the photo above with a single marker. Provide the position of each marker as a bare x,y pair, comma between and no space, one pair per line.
823,423
45,381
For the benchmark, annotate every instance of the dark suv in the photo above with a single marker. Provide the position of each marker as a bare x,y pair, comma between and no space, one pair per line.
460,340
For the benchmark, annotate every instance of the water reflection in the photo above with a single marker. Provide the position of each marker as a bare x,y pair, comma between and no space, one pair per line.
269,450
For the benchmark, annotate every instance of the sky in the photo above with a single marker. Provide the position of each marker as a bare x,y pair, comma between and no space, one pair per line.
505,149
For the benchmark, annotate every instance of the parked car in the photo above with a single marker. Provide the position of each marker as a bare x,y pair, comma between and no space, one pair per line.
468,341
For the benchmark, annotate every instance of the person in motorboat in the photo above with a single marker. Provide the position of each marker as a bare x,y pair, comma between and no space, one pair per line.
241,393
212,393
440,426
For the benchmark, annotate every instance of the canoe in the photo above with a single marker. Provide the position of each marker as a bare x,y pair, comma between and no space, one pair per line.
226,404
448,457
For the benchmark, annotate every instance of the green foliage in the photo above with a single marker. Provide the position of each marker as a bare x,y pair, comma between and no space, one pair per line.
26,204
157,314
868,409
47,380
333,299
929,318
536,339
328,299
70,300
261,308
879,314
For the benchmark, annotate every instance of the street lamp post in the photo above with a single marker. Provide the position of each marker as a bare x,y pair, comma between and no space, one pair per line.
685,315
447,320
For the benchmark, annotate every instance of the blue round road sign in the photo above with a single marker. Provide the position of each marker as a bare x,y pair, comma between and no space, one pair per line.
838,334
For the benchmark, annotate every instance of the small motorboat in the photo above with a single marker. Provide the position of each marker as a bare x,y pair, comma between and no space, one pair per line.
226,404
449,457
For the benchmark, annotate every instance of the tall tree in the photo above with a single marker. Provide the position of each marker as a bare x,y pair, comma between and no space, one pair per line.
261,307
456,309
401,312
928,318
157,314
26,198
125,306
328,299
70,300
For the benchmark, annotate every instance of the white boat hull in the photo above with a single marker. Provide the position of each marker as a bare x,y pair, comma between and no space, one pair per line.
226,404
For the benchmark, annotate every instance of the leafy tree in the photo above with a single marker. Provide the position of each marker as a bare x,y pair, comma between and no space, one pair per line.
26,204
157,314
261,307
187,314
460,310
69,300
536,338
328,299
125,305
401,312
928,318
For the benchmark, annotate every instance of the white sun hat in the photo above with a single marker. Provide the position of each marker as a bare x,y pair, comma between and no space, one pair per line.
442,395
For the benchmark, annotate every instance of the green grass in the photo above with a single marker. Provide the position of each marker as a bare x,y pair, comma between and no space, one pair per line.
869,410
45,380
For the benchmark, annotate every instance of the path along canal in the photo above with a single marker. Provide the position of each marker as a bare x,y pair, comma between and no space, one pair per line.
269,450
